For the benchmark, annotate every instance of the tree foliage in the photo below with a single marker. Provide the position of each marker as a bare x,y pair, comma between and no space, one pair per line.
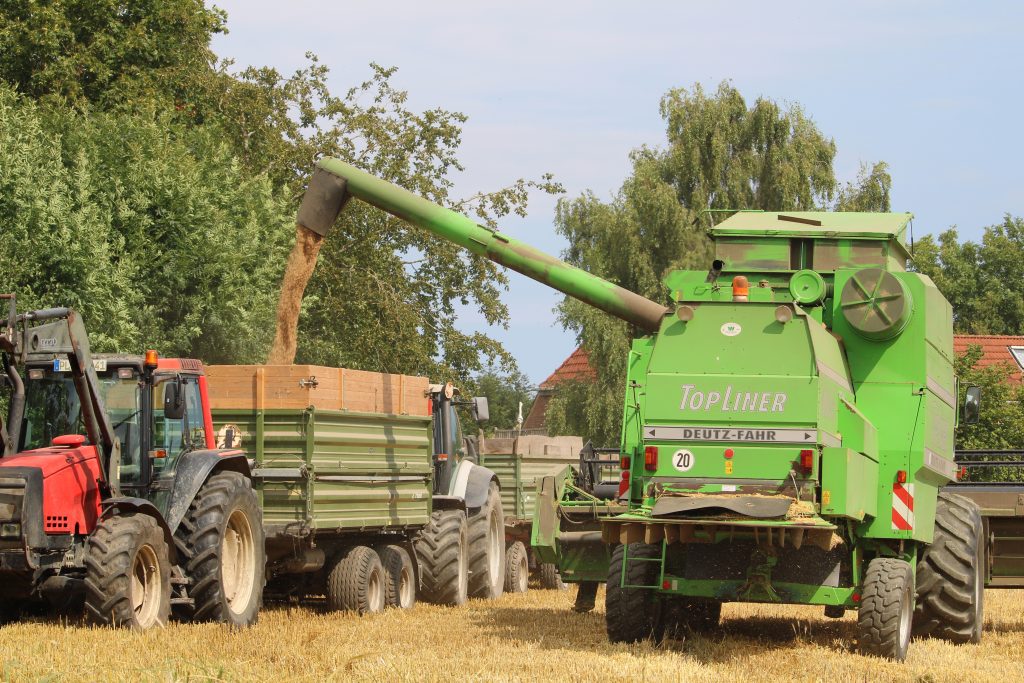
154,186
109,54
160,240
1001,419
505,393
984,281
721,155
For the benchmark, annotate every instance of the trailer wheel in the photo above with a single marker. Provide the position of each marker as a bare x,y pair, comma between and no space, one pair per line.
442,555
487,548
357,582
401,584
222,540
632,614
550,579
950,578
886,609
128,573
517,569
681,616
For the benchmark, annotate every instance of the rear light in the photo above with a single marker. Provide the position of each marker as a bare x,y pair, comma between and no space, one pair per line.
901,476
651,458
442,457
623,484
666,584
624,462
807,461
728,454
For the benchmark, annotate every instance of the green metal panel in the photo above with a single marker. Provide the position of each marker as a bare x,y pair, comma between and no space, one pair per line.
519,476
336,470
504,466
848,487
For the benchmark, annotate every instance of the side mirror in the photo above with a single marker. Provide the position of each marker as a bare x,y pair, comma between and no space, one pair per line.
174,400
480,410
972,405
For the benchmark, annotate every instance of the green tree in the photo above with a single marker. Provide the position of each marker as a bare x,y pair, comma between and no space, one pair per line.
983,281
1001,419
869,192
505,393
721,155
107,53
159,239
384,294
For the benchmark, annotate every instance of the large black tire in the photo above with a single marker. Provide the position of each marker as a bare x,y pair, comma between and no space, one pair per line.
681,616
128,573
357,582
221,541
487,548
401,577
442,555
517,568
632,614
550,579
950,574
886,609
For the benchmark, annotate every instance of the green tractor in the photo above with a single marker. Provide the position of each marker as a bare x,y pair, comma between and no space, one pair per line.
787,427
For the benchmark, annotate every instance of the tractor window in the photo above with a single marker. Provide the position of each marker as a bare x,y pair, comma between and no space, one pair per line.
172,438
52,409
456,446
121,399
194,412
168,435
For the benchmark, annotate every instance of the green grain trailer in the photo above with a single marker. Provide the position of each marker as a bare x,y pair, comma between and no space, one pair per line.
788,423
520,463
346,466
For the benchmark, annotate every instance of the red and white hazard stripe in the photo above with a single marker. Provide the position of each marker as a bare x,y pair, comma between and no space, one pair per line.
902,507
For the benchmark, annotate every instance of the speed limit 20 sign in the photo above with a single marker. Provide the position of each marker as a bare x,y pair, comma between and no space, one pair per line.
683,460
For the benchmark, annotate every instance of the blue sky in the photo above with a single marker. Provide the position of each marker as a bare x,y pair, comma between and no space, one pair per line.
932,88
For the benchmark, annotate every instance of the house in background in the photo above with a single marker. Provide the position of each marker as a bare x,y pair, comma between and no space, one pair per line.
575,367
996,349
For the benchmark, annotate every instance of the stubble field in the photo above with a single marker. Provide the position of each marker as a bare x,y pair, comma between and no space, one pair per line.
528,637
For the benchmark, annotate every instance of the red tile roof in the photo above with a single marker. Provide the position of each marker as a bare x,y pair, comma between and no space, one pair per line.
995,349
575,367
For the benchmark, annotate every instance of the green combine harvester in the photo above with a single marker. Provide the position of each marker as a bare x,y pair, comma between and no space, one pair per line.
787,427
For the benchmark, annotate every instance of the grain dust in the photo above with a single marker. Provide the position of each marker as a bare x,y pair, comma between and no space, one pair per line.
301,263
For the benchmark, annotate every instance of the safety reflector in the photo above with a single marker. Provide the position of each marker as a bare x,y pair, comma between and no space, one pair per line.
902,507
623,484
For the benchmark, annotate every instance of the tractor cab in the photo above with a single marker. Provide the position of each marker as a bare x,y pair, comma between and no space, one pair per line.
157,413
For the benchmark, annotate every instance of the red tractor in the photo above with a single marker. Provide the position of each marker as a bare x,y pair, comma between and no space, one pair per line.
111,490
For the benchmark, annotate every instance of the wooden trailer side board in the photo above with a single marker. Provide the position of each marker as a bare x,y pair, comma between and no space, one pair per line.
268,387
